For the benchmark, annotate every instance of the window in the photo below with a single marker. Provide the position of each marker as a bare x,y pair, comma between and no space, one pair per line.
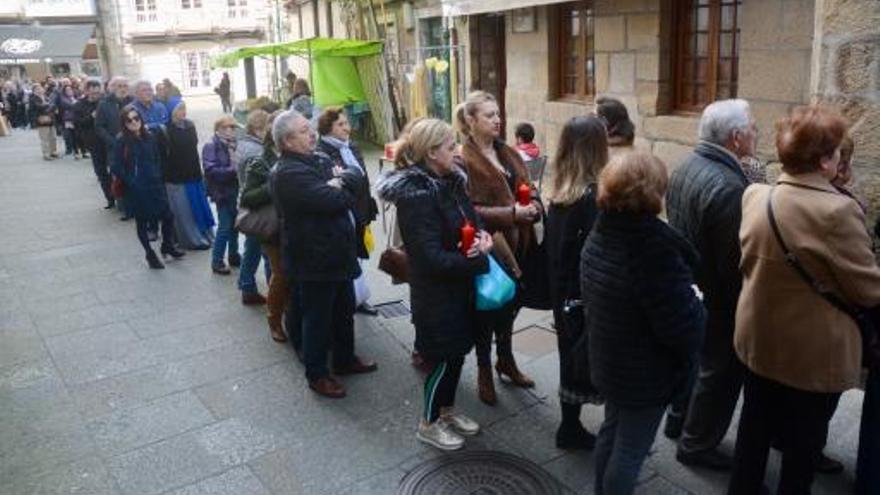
190,4
197,69
576,77
236,9
707,52
146,10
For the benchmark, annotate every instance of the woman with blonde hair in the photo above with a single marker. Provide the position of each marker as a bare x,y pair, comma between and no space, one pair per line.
581,155
428,190
495,172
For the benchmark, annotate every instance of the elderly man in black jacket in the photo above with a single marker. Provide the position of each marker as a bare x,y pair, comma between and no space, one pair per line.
704,204
85,111
315,200
107,124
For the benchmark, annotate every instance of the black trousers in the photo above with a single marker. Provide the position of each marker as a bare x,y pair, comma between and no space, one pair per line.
102,168
327,309
500,324
168,235
867,472
714,396
797,419
440,387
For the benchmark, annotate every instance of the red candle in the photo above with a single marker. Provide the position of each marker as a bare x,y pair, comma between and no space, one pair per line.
468,232
524,194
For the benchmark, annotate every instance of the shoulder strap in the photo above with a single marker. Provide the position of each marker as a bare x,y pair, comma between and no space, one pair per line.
792,260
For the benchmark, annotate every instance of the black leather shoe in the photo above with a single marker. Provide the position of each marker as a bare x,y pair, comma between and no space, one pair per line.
827,465
111,203
709,459
153,261
235,260
173,252
367,309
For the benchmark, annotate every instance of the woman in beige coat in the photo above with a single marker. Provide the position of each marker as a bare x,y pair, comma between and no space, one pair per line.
801,352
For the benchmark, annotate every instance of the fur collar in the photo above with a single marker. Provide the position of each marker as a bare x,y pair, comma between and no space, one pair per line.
414,181
487,186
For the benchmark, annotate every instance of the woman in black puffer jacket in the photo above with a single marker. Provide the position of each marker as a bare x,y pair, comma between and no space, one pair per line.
644,317
432,206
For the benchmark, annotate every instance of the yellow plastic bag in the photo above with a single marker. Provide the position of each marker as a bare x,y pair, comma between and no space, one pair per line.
369,240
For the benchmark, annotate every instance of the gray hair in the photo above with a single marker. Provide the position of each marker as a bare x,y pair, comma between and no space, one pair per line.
722,118
116,80
140,83
283,126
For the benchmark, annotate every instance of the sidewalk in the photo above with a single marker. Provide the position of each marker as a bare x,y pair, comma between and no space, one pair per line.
116,379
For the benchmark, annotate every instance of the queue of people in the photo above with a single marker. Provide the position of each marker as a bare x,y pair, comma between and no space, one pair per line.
671,294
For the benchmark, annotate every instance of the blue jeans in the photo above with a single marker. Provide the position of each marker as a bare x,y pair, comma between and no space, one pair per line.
625,439
250,261
227,236
327,319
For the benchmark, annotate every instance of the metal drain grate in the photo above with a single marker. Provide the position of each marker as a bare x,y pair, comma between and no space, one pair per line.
483,473
392,309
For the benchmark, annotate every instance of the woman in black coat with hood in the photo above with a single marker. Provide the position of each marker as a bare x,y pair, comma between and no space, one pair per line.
432,207
645,319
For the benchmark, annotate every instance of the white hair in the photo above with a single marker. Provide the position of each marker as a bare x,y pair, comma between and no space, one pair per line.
140,83
116,80
722,118
282,127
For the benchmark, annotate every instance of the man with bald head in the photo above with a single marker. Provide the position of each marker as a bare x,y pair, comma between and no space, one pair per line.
107,120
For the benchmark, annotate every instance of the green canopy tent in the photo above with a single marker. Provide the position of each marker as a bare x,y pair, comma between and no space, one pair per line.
341,72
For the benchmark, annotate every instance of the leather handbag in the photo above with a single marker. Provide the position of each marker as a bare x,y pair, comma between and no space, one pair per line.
262,222
394,262
867,319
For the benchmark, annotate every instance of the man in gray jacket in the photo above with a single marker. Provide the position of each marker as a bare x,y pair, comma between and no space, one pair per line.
704,202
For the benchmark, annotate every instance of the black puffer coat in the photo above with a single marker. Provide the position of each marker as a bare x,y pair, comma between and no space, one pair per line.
704,203
645,320
318,233
441,278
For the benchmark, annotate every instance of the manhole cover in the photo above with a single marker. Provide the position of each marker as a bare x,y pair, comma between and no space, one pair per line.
393,309
479,473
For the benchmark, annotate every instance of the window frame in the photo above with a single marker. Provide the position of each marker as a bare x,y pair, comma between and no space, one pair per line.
146,11
190,4
684,34
585,91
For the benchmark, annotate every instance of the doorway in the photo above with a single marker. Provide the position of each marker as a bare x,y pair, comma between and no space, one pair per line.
489,66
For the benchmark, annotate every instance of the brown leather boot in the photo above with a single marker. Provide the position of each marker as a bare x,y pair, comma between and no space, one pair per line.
507,367
276,331
486,386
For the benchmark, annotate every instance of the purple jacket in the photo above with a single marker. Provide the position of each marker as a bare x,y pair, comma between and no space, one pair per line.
220,175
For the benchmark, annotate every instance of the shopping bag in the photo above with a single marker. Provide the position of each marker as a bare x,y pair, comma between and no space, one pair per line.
361,289
369,240
494,288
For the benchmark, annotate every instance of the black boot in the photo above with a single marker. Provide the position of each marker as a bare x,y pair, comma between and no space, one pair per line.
173,252
153,260
111,203
571,434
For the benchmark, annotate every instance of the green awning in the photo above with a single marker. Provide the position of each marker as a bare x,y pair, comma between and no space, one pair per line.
311,47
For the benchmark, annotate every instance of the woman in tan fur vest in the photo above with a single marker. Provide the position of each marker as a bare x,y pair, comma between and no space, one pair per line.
495,170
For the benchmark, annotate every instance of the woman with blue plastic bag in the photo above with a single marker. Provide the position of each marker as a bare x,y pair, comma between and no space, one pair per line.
446,251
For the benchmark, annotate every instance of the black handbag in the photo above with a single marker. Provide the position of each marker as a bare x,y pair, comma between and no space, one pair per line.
867,319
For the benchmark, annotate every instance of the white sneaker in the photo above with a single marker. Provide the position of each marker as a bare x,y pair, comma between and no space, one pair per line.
439,435
462,424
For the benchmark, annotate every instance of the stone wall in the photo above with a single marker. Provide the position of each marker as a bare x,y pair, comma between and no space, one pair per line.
846,75
632,41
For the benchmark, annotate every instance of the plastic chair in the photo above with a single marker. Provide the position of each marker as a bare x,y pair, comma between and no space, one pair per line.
536,170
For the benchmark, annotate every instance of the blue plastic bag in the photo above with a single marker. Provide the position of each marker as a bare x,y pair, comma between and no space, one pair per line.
494,288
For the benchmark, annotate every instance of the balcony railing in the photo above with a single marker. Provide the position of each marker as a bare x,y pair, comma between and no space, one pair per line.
194,21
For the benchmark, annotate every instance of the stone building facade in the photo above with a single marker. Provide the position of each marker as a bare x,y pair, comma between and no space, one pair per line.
790,52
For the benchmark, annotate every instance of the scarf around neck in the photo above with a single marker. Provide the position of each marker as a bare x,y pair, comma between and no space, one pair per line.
344,148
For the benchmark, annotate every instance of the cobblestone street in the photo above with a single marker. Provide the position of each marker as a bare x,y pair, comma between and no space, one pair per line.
117,379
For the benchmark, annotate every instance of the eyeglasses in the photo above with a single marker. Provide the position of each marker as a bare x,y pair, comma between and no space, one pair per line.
133,118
